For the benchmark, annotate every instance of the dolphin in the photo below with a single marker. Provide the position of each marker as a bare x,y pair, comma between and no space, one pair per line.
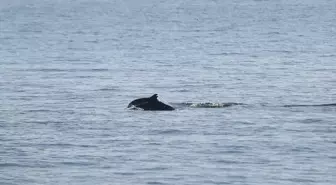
151,103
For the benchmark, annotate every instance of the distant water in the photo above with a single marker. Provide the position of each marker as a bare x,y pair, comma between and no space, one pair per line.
68,69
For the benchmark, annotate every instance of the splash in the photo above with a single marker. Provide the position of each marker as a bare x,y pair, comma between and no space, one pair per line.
210,105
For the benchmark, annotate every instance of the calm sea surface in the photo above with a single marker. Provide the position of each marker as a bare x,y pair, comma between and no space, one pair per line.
68,69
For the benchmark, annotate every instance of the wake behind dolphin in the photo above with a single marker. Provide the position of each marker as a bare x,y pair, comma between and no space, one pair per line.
313,105
207,105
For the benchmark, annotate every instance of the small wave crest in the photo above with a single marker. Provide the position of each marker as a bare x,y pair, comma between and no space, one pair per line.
168,131
132,107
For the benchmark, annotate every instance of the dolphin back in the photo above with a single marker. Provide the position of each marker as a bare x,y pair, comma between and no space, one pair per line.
151,103
138,102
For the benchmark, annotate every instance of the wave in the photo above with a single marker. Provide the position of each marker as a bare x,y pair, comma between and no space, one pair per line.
312,105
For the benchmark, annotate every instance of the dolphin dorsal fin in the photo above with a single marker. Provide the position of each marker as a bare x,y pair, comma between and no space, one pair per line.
154,97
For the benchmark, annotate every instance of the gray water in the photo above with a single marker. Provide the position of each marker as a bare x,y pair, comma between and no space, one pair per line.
68,69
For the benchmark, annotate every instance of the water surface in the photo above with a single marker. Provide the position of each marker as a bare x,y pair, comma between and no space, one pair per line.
69,69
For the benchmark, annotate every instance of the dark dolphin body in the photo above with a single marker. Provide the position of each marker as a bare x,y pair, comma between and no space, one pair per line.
151,103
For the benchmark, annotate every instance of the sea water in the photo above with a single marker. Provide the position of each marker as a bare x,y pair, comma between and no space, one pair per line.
68,70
